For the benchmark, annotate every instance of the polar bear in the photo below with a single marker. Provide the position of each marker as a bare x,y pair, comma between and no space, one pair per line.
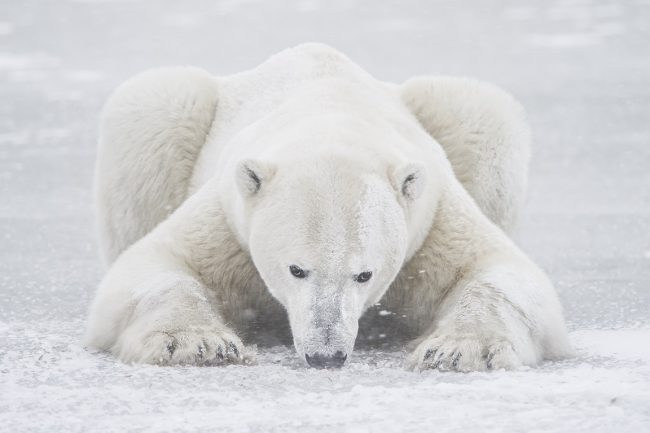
294,196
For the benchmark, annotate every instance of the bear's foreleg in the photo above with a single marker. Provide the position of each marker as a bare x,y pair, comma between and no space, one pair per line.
153,306
151,310
173,323
500,317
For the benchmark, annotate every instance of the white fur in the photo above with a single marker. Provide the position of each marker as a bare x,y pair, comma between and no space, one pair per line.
209,188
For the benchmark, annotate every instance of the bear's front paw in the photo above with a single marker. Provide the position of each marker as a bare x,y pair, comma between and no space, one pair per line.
199,346
464,353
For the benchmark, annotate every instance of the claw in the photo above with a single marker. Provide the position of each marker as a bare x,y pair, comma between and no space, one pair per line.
430,353
438,360
233,348
220,356
454,363
171,347
201,349
489,361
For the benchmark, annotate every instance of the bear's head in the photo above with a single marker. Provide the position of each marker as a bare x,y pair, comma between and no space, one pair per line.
328,233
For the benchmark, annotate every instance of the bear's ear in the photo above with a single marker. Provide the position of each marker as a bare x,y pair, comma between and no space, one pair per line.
252,176
409,179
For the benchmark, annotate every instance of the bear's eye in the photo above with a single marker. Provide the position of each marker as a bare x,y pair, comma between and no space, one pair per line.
363,277
297,272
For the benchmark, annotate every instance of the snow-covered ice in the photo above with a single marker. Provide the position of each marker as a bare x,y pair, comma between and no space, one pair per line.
581,69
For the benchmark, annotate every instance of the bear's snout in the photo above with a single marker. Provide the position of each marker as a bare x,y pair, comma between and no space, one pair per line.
318,360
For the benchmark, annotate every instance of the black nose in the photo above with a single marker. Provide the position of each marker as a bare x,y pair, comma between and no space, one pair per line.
318,360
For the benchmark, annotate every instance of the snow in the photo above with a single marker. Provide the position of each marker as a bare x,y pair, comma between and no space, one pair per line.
580,68
51,383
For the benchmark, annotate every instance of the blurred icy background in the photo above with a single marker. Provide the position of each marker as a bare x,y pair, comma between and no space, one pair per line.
580,67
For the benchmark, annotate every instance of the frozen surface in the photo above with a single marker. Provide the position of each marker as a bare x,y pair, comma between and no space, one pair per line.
581,69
